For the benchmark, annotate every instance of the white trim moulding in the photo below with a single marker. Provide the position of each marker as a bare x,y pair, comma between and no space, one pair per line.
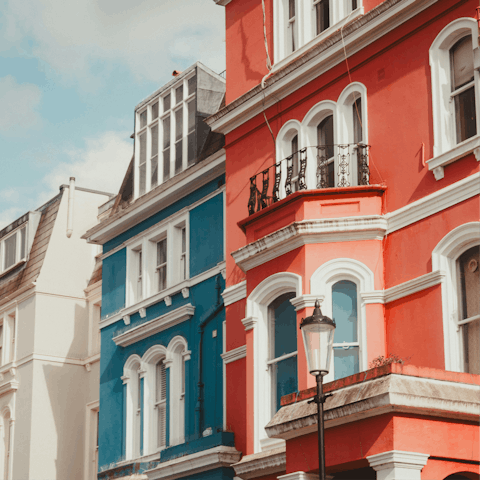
154,326
8,387
306,300
195,463
298,234
235,354
161,296
235,293
413,286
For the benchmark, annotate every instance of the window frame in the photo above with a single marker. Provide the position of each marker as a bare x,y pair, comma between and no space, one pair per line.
305,18
445,148
148,243
163,114
445,258
130,378
18,248
8,321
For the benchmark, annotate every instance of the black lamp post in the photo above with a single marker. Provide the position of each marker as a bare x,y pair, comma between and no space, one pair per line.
318,331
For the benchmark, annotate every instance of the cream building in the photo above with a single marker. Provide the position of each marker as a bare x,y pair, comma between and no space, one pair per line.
49,340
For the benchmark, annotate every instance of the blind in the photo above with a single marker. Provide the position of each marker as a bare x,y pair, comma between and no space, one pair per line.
461,57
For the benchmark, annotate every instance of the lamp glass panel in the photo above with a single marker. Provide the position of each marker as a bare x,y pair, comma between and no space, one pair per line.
318,341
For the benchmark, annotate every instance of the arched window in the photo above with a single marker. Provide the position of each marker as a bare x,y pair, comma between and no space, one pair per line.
177,355
132,378
455,94
457,254
282,361
288,159
6,444
469,288
161,404
345,341
325,153
463,88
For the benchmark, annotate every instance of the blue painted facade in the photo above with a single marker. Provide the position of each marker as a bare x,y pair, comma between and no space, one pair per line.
206,240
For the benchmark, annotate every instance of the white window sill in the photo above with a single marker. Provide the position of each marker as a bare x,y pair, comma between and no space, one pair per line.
318,39
437,164
13,267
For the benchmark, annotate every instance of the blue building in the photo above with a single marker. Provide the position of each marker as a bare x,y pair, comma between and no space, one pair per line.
163,267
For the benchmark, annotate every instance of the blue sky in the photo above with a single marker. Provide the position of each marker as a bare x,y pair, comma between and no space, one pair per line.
71,73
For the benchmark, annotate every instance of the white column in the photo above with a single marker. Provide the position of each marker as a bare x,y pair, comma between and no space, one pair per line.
398,465
301,476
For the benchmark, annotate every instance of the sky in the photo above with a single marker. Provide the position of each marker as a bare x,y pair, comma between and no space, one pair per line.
71,74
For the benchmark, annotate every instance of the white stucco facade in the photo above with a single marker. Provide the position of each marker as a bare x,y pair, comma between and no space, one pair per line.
49,381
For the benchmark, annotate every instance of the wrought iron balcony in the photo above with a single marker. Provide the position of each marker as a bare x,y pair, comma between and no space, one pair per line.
332,166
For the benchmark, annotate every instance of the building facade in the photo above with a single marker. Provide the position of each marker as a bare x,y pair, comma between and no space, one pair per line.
352,139
163,268
49,340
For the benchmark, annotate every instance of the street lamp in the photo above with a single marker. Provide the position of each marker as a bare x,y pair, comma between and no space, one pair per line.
317,331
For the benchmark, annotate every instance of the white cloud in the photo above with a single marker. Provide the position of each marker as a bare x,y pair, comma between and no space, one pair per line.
151,37
101,165
18,105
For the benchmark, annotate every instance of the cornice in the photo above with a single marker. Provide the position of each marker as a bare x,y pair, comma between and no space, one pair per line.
319,59
399,458
154,326
261,464
195,463
435,202
8,387
159,198
346,229
413,286
235,354
249,322
235,293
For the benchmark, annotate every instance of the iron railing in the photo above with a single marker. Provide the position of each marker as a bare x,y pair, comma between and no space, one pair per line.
335,166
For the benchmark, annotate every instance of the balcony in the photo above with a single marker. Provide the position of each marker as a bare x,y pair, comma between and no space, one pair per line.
330,166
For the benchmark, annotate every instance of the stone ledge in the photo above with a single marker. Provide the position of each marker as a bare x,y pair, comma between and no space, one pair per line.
260,464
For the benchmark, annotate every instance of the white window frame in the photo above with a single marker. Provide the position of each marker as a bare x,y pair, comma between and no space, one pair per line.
445,148
91,447
8,320
305,19
151,122
444,257
131,371
321,284
18,247
6,450
169,229
257,317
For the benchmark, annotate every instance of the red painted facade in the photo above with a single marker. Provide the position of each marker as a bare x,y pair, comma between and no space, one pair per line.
389,235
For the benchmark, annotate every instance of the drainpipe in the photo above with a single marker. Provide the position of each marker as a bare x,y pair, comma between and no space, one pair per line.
71,197
209,315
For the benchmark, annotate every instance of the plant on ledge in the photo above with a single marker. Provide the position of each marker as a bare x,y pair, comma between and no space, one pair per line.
380,361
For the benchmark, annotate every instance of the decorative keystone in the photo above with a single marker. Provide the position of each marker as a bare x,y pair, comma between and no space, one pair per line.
126,319
168,300
143,312
185,292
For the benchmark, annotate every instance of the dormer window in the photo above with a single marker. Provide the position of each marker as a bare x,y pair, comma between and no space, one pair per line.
322,15
168,120
13,249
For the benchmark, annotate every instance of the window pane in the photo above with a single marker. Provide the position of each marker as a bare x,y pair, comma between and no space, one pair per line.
162,278
23,242
154,110
345,362
191,148
143,148
178,156
325,135
354,4
179,94
166,102
470,282
357,121
143,119
142,178
166,164
465,116
344,312
162,252
154,172
192,85
179,124
285,326
166,132
191,116
461,58
322,12
294,145
154,140
471,346
10,246
291,9
287,381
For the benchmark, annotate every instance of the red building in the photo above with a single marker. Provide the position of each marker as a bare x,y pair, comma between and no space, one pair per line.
352,145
